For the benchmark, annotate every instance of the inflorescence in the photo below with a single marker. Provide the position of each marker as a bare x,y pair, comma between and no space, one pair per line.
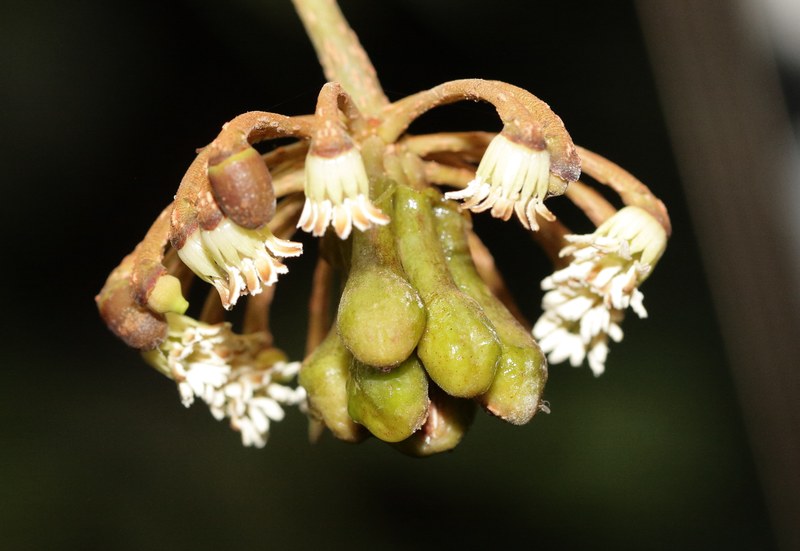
424,329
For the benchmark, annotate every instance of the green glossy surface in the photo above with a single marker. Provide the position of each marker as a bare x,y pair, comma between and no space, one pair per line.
391,404
459,347
324,376
521,374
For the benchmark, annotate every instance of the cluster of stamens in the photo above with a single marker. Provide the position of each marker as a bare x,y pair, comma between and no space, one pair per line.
511,178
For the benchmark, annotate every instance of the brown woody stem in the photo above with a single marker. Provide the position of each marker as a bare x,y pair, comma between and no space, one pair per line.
256,126
148,256
341,55
289,183
331,100
550,238
518,123
566,162
286,215
256,314
484,264
631,190
330,134
471,145
319,315
527,119
213,312
286,157
437,173
593,205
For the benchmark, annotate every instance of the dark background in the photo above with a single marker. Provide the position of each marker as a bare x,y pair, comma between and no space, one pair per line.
103,105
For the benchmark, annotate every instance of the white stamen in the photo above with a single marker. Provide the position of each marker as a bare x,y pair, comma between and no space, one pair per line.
586,300
511,178
337,194
224,370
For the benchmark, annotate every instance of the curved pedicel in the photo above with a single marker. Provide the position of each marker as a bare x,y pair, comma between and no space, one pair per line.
229,177
527,119
138,326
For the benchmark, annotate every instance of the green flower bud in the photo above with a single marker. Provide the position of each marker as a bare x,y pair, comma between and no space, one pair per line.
391,404
381,317
324,376
166,296
459,347
522,371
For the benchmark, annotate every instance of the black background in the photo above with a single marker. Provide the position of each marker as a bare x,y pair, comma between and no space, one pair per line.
103,105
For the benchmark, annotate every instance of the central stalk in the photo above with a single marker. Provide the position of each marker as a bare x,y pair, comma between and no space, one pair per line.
340,53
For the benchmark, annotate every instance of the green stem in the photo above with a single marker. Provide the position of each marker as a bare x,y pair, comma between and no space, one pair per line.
340,53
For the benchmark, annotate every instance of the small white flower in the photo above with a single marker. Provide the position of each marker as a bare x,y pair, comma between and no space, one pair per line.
576,325
337,194
585,302
236,260
253,400
511,177
225,370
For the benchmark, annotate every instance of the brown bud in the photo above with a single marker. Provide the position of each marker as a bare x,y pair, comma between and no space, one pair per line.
137,326
242,186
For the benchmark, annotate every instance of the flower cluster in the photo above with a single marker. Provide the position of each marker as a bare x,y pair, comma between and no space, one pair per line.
233,374
585,301
424,331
